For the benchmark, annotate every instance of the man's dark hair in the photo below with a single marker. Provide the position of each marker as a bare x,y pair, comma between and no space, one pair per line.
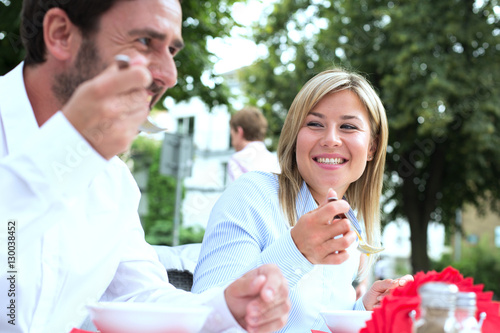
84,14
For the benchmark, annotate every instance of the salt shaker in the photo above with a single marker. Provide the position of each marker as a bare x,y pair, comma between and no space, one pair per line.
437,308
465,313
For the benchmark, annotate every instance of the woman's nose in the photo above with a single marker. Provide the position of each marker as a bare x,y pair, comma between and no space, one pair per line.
331,138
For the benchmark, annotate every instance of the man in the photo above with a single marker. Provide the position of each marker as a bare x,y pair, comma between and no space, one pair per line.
68,204
248,129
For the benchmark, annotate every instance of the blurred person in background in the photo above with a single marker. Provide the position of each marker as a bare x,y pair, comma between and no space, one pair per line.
248,130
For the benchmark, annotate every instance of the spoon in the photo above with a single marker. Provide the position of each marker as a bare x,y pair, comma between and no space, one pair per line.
148,126
362,245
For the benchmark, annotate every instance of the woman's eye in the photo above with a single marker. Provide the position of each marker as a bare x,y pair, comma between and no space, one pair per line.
348,126
314,124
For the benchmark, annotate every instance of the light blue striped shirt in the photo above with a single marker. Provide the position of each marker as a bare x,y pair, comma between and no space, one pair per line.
247,228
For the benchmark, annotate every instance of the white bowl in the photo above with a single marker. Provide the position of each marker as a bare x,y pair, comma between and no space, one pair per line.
131,317
346,321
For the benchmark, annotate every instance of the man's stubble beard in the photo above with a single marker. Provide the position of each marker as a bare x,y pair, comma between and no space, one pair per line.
87,65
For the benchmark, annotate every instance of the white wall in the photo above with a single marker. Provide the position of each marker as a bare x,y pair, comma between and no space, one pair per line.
211,130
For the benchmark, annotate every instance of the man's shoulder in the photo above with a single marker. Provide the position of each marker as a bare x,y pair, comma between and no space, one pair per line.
118,166
253,151
119,174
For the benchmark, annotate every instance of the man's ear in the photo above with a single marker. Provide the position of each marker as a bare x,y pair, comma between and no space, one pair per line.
240,131
62,37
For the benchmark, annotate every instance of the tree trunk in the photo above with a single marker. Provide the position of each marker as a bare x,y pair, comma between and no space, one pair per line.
418,207
419,256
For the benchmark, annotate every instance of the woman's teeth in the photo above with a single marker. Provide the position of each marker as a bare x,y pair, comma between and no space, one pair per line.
336,160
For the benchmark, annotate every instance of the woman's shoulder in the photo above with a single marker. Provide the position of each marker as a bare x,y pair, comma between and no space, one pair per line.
260,179
254,184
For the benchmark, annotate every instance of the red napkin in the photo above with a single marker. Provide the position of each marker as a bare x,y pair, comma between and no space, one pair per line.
392,315
77,330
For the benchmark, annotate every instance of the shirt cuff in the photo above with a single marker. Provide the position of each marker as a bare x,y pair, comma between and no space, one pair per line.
359,306
221,318
63,157
284,253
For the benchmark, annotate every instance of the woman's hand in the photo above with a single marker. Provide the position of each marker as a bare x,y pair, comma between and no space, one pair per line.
321,238
381,288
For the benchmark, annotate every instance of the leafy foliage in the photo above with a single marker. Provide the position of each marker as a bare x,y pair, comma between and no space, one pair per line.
478,262
202,20
159,222
11,48
435,66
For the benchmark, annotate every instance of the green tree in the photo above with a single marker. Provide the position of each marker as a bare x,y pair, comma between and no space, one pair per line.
202,20
11,48
436,67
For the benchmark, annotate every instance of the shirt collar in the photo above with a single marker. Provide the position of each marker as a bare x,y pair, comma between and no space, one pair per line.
15,110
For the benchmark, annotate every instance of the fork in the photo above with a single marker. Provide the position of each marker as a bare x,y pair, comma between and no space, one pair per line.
363,246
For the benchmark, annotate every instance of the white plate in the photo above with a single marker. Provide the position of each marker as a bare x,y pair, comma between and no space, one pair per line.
131,317
346,321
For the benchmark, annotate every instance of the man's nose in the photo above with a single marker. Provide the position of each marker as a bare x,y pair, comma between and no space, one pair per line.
164,71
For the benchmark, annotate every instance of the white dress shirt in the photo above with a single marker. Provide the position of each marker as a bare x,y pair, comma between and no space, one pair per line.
254,157
247,228
78,235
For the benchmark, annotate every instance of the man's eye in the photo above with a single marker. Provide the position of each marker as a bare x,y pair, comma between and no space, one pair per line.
144,40
172,50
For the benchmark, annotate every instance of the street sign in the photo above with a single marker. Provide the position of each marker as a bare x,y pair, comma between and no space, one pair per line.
176,157
176,160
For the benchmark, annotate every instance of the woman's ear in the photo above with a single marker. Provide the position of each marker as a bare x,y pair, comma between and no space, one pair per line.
62,38
373,149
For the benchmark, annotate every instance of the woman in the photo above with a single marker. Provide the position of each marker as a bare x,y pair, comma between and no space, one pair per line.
333,144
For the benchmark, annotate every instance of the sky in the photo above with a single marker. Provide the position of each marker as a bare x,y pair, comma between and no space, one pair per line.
237,51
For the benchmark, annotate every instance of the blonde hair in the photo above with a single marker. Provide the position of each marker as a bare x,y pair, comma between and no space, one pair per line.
364,194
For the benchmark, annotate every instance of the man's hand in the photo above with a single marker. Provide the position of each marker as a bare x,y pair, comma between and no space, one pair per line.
320,238
108,109
259,299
